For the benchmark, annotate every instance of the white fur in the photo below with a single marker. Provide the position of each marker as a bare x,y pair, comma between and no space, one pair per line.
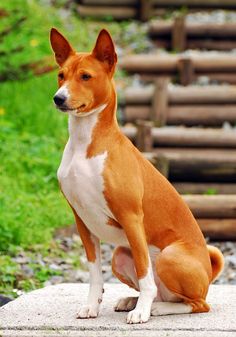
168,308
63,91
91,309
148,291
82,181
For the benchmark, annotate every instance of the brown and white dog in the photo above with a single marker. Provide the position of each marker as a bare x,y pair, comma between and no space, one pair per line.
119,197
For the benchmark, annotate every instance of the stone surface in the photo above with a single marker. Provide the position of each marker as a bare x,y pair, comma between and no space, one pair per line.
51,311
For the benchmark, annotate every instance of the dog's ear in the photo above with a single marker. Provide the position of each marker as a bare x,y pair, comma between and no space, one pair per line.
60,46
104,50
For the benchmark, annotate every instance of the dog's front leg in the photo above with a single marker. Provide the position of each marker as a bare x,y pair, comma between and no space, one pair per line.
91,309
147,287
92,248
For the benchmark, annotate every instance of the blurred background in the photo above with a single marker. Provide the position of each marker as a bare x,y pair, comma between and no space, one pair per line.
176,88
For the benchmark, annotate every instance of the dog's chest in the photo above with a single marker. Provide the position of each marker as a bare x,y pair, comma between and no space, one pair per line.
81,180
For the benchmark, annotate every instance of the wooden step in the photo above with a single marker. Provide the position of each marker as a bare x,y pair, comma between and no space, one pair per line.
212,206
218,229
204,188
195,165
193,94
187,137
216,66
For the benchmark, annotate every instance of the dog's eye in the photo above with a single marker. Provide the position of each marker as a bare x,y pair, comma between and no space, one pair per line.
85,77
61,76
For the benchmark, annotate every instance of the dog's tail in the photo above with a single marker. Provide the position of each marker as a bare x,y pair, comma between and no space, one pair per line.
217,261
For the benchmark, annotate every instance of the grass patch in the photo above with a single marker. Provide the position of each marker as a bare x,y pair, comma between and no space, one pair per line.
25,270
33,135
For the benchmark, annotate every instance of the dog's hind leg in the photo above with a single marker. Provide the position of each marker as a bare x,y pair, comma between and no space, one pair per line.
184,274
123,268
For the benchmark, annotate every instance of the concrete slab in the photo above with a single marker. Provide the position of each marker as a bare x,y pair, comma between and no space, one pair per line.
51,312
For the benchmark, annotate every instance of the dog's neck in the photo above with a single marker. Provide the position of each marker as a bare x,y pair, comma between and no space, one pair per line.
82,129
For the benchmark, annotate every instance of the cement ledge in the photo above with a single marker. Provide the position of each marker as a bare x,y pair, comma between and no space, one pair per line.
51,312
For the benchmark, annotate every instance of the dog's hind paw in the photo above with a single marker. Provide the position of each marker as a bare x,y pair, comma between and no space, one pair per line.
126,304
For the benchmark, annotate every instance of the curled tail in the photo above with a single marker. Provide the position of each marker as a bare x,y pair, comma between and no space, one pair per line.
217,261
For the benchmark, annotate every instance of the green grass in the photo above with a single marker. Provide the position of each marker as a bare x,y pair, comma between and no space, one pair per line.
33,134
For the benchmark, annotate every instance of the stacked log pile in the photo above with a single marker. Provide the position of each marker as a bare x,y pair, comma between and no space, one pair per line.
144,9
180,34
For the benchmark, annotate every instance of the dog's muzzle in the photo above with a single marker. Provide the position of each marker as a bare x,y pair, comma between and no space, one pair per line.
59,100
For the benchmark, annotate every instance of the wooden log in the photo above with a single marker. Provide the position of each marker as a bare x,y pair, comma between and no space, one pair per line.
166,3
186,70
189,115
143,63
134,112
140,95
193,29
214,62
109,2
145,10
196,3
204,188
188,164
212,94
223,78
212,115
199,164
167,64
195,166
206,30
218,229
212,206
187,137
179,34
205,157
144,136
119,13
160,102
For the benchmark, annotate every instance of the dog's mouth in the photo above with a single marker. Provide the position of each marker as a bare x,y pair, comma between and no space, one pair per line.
68,109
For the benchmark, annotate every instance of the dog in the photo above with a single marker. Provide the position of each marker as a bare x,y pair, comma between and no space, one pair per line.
117,196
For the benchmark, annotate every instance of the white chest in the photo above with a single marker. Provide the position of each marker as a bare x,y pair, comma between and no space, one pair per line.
82,183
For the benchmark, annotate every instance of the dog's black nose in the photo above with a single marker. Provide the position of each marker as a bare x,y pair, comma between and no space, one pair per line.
59,99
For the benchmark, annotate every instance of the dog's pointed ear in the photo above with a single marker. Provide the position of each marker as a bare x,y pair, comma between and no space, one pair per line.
104,50
60,46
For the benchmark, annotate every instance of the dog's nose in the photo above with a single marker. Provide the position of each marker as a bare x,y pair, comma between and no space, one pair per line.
59,99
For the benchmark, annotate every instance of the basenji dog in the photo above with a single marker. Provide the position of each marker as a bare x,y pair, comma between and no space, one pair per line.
117,196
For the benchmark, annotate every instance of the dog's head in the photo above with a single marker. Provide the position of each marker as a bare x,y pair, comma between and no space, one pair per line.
85,79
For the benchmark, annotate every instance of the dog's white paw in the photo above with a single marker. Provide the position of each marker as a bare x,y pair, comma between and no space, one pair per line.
126,304
138,316
88,311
